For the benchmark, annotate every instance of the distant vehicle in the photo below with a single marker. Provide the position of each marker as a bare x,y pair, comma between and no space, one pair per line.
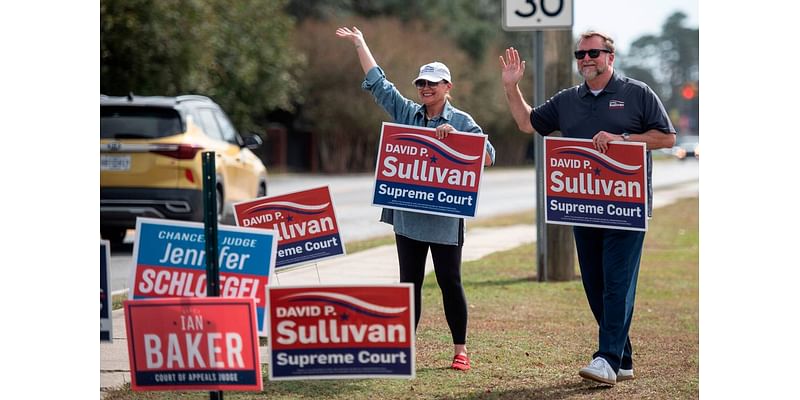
151,161
686,146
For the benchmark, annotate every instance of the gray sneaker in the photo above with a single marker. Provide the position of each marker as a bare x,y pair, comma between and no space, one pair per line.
624,375
599,371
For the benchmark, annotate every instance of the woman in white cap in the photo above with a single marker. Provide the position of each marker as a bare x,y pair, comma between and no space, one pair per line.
415,232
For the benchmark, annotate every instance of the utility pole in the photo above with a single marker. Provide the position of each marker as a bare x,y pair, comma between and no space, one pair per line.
559,45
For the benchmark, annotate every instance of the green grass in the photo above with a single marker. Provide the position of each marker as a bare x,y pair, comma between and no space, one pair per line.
117,299
527,340
361,245
522,217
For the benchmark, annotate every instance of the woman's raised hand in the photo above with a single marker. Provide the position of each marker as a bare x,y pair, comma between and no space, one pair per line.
365,57
353,35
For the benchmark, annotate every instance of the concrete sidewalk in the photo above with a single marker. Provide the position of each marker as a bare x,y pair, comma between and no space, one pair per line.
376,265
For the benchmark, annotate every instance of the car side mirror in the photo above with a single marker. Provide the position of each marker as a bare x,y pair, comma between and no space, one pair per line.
253,142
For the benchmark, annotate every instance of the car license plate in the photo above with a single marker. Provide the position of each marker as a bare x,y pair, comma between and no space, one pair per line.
115,163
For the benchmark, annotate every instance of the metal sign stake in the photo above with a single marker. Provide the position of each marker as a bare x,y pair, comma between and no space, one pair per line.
210,220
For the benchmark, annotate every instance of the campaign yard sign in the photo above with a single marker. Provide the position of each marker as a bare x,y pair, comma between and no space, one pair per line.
416,171
170,261
105,292
588,188
305,223
193,344
341,332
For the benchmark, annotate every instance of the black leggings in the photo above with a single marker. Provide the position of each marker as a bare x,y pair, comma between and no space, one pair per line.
447,265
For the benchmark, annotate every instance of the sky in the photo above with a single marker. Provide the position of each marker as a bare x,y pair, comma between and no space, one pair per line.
627,20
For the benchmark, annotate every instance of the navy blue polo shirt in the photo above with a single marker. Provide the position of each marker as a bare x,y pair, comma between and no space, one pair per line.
624,105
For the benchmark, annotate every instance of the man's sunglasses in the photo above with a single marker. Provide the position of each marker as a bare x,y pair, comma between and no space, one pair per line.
420,84
593,53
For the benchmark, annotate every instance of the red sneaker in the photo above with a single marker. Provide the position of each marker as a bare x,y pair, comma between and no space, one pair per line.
460,362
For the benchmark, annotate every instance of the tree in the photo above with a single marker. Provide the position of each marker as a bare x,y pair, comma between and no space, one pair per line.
145,47
343,117
666,62
235,52
346,121
471,24
254,68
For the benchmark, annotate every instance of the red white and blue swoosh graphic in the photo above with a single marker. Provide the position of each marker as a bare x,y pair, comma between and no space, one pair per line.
437,146
602,159
350,302
306,209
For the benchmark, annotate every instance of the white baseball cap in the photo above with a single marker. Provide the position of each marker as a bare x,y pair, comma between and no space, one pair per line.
433,72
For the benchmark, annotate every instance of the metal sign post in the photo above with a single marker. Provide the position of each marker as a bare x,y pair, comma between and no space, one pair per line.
538,15
210,213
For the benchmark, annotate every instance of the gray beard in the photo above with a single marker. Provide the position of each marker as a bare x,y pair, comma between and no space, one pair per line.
594,73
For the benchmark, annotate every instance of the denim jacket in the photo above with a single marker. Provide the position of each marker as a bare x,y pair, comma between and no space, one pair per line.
418,226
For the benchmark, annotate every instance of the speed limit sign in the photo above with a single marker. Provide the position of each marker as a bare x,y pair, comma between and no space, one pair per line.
533,15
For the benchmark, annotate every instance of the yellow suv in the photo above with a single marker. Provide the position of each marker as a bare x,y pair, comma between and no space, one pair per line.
151,161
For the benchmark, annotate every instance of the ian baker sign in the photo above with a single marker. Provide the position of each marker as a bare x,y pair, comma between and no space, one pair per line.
193,344
418,172
341,332
588,188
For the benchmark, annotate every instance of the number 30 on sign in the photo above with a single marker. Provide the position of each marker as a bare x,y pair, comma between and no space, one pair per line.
533,15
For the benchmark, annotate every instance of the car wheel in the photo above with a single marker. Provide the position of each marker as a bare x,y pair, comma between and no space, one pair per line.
113,235
262,190
220,204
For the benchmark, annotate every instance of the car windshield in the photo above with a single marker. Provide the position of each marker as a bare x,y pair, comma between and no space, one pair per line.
138,122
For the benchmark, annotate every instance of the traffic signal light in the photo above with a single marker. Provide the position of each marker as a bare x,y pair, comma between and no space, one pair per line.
689,91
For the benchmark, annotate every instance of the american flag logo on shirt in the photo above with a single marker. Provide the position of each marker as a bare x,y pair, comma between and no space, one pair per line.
616,105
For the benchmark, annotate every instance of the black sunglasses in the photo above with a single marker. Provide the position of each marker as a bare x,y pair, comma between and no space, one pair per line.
422,82
593,53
